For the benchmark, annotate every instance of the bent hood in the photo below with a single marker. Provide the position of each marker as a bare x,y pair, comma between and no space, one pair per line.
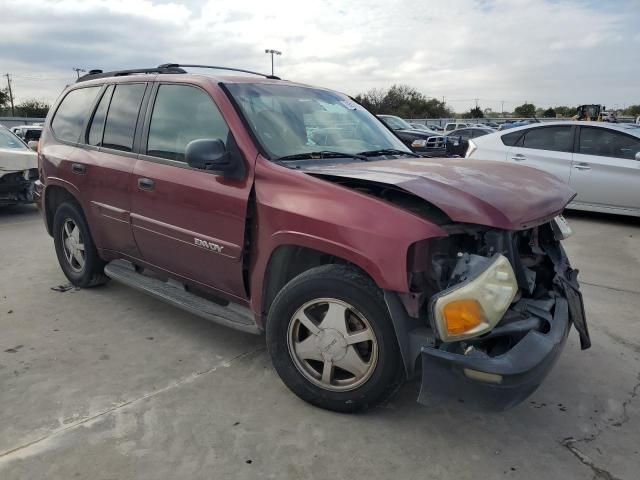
496,194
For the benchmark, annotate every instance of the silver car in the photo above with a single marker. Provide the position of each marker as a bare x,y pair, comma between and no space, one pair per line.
18,169
600,161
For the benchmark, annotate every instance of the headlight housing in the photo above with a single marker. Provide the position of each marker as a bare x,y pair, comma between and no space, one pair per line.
476,305
419,143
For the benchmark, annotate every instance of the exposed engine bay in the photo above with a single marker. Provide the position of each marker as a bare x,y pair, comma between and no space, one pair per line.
17,187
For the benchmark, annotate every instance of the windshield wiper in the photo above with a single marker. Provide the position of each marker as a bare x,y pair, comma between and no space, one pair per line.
386,151
322,155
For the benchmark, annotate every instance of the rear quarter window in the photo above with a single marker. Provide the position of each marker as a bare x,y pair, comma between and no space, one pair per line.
72,113
510,139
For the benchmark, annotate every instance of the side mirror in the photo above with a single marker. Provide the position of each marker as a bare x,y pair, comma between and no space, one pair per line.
33,145
211,155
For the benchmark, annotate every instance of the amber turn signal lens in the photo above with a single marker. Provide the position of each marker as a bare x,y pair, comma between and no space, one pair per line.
462,316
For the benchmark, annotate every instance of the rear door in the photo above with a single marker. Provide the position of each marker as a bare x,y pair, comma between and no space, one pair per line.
605,171
187,221
546,148
107,161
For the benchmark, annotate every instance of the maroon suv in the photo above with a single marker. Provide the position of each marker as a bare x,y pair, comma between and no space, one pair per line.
267,205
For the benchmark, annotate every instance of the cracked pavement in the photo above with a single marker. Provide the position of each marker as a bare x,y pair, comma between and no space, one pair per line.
108,383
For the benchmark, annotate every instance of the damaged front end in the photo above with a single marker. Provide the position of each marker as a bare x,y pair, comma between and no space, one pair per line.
17,187
499,306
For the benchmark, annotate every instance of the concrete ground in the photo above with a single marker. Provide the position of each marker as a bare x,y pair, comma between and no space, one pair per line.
107,383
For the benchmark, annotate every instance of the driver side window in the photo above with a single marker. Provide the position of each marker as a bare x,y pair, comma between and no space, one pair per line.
182,113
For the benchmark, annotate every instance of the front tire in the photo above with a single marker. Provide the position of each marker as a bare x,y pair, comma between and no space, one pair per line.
75,249
331,340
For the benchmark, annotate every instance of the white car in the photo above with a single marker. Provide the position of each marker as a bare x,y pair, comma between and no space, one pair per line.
18,169
600,161
450,127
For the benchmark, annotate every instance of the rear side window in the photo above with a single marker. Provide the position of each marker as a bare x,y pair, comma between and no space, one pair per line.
121,121
181,114
510,139
557,139
607,143
72,113
97,123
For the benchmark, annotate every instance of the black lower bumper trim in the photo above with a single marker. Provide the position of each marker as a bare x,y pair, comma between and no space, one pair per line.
519,371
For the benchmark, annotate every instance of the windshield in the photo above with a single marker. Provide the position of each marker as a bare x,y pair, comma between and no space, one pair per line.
396,123
9,140
292,120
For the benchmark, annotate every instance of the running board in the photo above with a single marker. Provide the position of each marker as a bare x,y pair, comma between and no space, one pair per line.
232,315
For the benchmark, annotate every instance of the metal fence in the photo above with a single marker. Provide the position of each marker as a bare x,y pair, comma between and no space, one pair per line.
17,121
443,121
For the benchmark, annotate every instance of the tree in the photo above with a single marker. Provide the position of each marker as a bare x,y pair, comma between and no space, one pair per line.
632,110
475,112
4,98
525,110
549,113
565,111
32,108
403,101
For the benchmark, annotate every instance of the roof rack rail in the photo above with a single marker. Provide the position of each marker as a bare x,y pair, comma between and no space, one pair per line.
215,67
93,74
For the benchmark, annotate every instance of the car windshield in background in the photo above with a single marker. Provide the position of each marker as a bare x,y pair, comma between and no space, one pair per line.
396,123
290,120
9,140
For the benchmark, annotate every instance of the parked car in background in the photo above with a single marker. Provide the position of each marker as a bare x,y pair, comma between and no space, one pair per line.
600,161
18,169
28,133
365,264
450,127
492,125
458,140
422,127
426,143
435,127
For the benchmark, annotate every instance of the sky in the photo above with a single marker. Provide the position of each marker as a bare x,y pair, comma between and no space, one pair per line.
547,52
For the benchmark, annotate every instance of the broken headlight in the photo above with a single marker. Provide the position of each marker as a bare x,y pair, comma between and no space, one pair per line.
475,305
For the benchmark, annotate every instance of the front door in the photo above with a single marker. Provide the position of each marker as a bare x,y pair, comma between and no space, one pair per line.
546,148
605,171
189,222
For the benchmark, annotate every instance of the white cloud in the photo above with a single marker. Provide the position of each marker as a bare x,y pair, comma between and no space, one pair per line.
552,52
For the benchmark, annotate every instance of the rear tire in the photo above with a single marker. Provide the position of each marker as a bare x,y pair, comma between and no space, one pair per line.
332,342
75,249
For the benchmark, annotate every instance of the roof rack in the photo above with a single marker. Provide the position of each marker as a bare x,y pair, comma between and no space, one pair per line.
215,67
93,74
164,69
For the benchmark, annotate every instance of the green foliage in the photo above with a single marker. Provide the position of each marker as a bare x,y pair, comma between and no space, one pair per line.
525,110
475,112
32,108
632,110
565,111
403,101
549,113
4,98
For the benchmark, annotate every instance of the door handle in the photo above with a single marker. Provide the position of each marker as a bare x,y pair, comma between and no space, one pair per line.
518,157
145,184
78,168
582,166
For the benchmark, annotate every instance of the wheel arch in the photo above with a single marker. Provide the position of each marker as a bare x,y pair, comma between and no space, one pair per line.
54,195
289,259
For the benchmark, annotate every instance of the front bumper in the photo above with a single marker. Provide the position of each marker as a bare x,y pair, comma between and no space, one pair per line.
512,376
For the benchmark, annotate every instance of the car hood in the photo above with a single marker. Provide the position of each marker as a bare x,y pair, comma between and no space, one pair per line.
496,194
14,160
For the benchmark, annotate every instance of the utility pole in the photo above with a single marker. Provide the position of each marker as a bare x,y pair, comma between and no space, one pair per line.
13,114
272,52
78,70
502,108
